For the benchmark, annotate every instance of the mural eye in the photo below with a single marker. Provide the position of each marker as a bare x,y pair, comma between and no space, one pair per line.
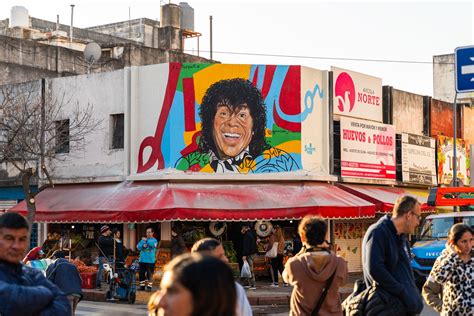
224,114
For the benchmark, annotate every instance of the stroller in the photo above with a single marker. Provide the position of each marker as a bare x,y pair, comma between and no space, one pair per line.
122,282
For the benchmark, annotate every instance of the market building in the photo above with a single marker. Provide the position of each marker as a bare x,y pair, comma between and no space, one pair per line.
162,175
208,147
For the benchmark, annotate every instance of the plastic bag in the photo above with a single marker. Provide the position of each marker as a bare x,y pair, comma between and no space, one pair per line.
245,272
273,252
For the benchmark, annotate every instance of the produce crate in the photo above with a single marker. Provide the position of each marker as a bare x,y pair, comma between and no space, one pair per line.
88,280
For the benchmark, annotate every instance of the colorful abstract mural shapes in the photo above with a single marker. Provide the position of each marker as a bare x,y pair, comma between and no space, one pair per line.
287,109
154,142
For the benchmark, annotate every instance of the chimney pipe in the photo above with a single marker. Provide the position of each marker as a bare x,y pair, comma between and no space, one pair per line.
57,22
72,19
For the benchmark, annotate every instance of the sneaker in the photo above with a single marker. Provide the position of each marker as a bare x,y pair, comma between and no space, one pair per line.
252,288
148,289
274,285
246,286
286,284
141,288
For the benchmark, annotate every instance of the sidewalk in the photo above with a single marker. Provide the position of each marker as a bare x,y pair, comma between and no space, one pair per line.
265,300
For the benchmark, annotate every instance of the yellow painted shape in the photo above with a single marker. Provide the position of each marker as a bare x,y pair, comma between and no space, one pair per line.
188,136
293,146
203,79
207,168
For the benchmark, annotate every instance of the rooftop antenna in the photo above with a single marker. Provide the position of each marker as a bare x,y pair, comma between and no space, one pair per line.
92,53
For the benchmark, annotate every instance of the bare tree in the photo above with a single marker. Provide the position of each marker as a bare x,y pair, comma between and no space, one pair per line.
37,127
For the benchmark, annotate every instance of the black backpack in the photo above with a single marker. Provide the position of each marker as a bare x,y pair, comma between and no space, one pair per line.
372,301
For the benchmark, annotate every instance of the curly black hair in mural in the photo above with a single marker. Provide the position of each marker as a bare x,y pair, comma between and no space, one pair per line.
233,92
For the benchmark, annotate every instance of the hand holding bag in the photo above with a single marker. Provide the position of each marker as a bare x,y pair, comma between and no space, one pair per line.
273,252
245,272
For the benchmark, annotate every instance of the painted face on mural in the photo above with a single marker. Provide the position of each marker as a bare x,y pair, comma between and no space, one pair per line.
232,130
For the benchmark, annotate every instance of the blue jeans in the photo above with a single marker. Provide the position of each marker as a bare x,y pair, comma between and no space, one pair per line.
250,260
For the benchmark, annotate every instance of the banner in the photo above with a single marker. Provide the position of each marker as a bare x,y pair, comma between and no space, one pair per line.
418,159
357,95
235,119
446,160
367,149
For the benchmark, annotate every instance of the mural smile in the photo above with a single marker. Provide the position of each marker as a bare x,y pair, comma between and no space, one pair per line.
231,136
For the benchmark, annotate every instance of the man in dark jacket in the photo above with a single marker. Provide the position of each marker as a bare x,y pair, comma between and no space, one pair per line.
386,254
106,252
24,290
249,250
65,275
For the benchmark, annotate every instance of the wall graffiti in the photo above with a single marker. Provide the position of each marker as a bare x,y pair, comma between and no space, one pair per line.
219,118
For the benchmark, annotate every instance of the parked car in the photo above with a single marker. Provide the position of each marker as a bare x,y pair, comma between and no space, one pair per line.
432,241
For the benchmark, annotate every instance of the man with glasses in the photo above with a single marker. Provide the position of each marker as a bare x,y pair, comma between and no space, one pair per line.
386,253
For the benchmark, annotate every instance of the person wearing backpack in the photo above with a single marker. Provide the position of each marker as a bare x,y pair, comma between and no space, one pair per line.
66,277
315,272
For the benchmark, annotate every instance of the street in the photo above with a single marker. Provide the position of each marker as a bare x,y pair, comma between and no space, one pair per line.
118,309
90,308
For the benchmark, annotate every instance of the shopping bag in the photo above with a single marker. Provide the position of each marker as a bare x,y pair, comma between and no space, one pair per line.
273,252
245,272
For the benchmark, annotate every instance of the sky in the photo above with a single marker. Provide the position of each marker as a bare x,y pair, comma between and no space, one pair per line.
395,41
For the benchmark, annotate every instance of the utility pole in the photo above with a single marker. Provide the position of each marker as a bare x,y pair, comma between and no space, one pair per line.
210,25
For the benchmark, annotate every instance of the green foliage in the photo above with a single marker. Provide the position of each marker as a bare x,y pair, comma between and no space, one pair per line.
230,251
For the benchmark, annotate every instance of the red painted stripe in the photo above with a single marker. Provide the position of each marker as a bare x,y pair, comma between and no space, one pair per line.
354,164
189,97
365,174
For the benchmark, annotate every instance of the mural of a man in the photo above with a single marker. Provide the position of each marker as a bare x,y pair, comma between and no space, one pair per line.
233,116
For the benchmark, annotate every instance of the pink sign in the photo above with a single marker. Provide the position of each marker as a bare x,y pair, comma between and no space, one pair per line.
367,149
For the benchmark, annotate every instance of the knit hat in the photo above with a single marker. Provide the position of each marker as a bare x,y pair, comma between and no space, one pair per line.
104,228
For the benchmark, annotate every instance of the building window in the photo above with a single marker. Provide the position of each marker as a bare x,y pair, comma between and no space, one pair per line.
62,136
117,130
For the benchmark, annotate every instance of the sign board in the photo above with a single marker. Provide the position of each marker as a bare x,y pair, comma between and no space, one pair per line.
367,149
205,119
418,159
464,68
357,95
446,160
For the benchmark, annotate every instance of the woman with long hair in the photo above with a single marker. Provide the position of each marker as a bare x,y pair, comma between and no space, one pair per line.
277,262
195,285
454,271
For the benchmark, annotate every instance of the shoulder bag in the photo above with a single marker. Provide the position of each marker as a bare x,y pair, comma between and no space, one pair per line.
324,294
273,252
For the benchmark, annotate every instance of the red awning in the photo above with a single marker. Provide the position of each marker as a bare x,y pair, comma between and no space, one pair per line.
384,197
159,201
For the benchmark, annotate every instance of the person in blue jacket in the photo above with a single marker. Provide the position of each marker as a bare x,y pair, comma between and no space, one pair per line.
23,290
386,254
66,276
147,247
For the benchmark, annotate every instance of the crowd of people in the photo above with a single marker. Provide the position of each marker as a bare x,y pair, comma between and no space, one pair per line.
202,283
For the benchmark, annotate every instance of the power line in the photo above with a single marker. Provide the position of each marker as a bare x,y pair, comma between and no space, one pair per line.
328,58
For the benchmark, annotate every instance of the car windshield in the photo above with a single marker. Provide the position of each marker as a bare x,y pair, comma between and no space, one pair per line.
439,227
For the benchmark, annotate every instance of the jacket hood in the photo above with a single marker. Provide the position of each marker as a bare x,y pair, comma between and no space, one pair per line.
319,265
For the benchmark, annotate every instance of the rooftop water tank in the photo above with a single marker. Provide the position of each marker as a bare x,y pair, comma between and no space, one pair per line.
187,16
171,15
19,17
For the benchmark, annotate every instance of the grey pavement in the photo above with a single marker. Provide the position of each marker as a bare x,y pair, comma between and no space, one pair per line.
90,308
